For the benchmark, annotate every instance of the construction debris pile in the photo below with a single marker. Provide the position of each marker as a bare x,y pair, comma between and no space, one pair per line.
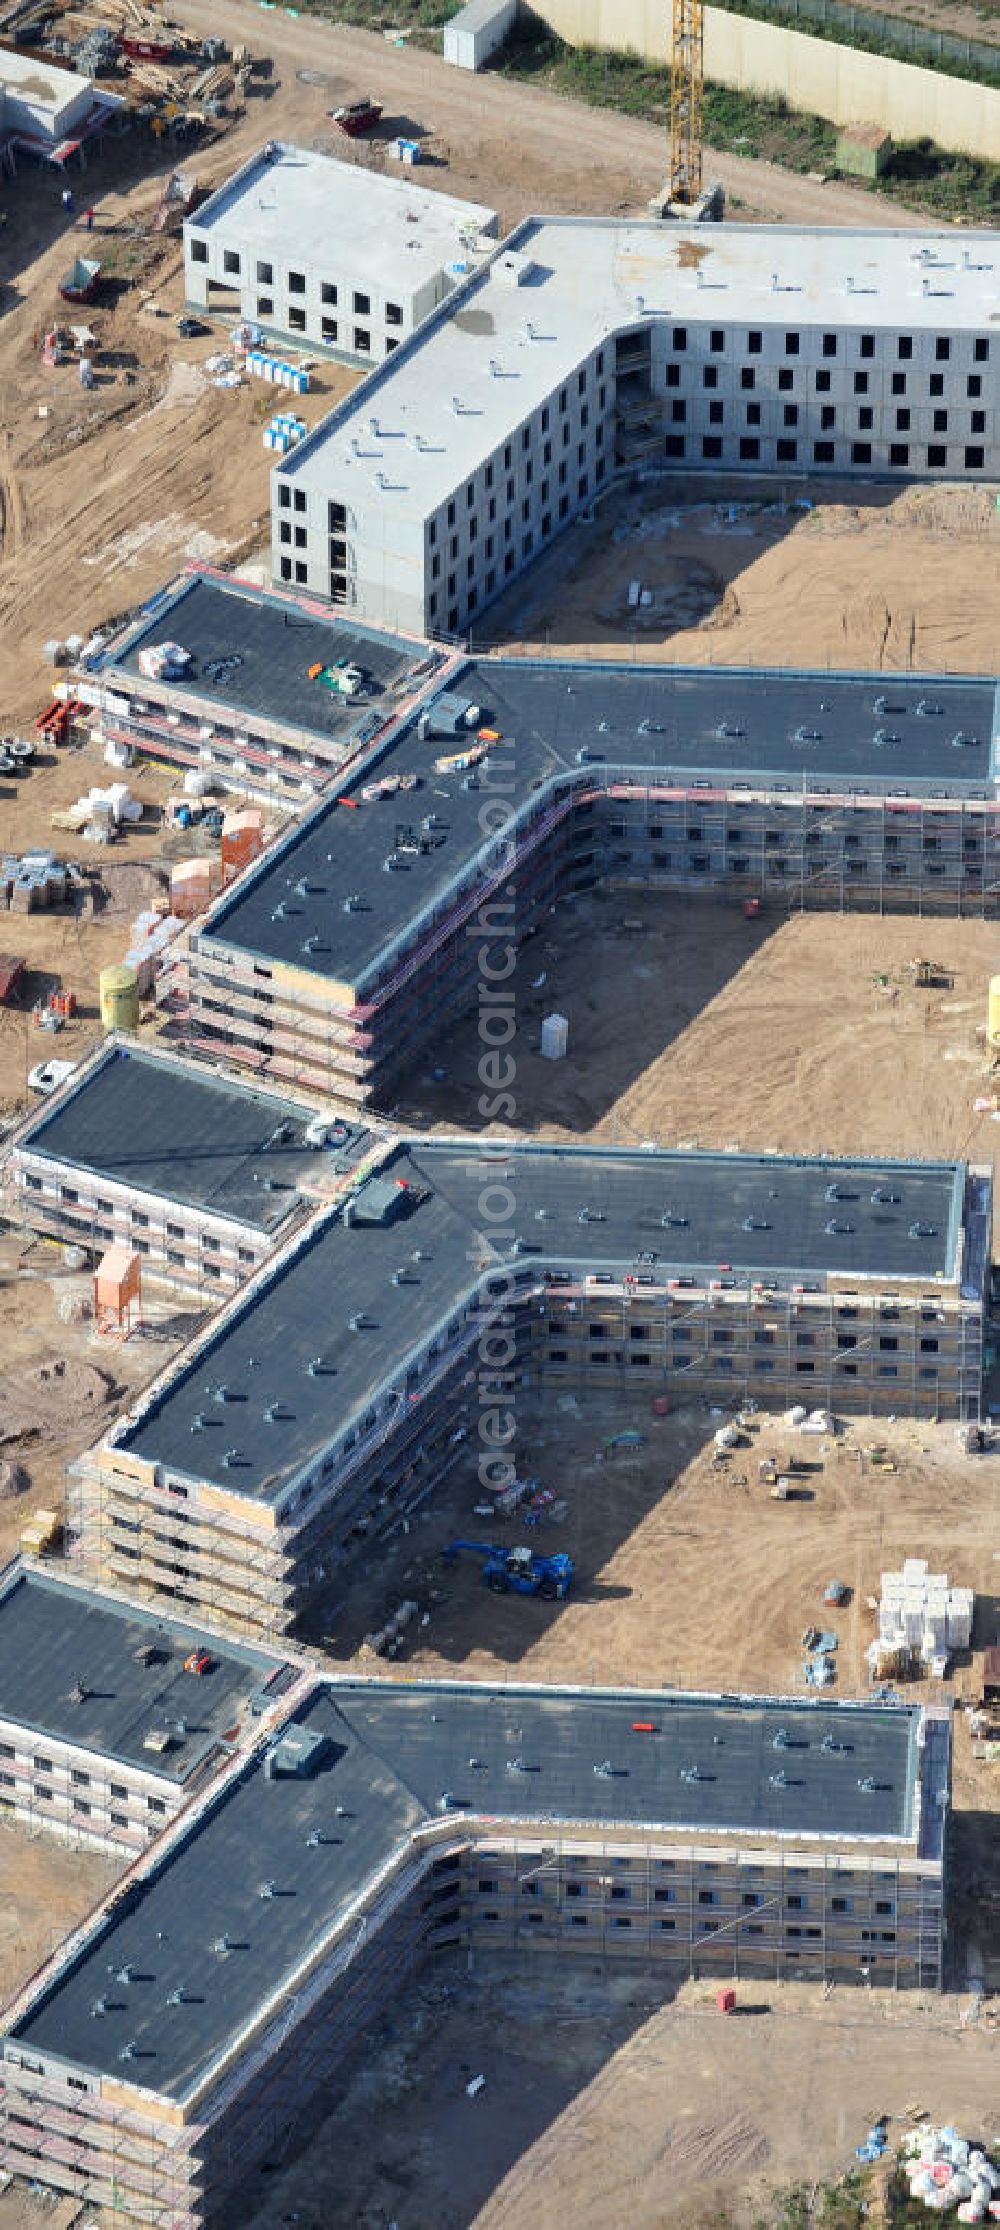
945,2170
920,1617
175,81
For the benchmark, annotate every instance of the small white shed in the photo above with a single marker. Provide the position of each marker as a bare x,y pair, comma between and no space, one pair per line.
471,37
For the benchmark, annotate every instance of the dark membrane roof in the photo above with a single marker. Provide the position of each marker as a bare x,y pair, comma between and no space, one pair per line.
54,1639
312,1844
250,1394
170,1130
713,724
251,654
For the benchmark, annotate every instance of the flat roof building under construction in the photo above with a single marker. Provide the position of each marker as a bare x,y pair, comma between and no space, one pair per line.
86,1669
790,732
198,1171
251,703
248,1414
511,783
337,1386
328,253
379,1824
113,1716
588,344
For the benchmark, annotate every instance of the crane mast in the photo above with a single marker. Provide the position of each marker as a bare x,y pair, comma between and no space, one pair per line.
687,85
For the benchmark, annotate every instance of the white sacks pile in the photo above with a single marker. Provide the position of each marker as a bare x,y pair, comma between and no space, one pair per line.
945,2171
920,1611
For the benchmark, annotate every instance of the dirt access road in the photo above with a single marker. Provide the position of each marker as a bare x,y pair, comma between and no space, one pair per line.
529,148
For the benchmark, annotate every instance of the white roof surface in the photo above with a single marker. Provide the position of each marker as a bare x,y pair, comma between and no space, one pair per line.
293,202
478,367
44,84
477,14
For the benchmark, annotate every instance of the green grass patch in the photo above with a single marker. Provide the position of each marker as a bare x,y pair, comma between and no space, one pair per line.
416,16
634,87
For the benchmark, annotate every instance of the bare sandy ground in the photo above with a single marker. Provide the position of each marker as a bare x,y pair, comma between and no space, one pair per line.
808,575
605,2104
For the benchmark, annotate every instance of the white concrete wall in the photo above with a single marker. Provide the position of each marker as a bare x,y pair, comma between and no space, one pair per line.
437,575
838,82
276,306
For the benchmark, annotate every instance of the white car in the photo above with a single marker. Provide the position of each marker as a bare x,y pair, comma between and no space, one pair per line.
48,1076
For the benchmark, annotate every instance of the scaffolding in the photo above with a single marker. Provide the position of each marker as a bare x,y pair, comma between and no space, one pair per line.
829,1909
796,846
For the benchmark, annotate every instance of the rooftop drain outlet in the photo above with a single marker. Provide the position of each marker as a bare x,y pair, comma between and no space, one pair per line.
128,2052
605,1771
98,2009
231,1459
883,1198
268,1889
222,1947
922,1231
779,1780
837,1228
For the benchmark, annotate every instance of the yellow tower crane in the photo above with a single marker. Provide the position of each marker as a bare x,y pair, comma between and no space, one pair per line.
687,92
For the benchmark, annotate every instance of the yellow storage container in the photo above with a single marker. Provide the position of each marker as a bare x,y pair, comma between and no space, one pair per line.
119,998
993,1022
